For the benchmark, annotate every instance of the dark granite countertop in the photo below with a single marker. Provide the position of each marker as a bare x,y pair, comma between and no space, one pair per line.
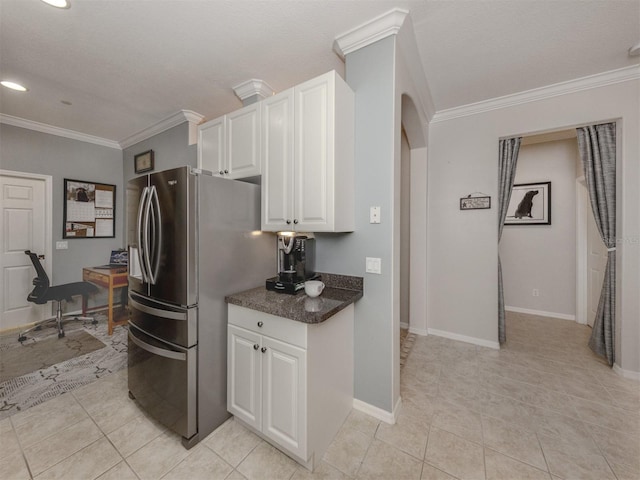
340,291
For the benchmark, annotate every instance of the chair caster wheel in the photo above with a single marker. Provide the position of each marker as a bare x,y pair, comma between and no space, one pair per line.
60,334
22,338
132,396
94,322
38,328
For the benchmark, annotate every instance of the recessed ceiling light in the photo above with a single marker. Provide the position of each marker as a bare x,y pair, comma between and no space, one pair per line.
13,86
58,3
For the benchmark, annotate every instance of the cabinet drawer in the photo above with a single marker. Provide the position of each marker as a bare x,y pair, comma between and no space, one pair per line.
282,329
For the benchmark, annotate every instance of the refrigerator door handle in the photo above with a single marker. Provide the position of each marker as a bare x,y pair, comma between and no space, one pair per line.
157,350
156,311
157,227
141,247
145,235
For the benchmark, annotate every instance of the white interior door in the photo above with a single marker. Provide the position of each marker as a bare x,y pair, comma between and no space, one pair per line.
596,266
26,225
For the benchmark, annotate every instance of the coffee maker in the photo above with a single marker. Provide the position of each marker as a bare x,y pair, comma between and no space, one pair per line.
296,263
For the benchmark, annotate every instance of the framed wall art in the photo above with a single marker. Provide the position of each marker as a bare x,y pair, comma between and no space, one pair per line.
89,209
143,162
530,204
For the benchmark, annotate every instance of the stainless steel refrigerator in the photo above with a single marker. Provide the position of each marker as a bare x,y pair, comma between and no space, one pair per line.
192,239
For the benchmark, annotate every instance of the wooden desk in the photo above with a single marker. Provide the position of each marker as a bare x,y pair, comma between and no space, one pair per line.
110,279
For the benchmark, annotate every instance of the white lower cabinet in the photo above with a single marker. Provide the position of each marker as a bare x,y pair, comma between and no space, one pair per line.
290,382
267,387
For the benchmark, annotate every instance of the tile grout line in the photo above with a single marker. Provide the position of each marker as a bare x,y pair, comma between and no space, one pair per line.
24,456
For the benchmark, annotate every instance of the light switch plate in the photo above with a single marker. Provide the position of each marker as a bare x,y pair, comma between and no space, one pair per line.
374,215
373,265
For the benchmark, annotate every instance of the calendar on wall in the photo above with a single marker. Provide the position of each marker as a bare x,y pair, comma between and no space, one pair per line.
89,209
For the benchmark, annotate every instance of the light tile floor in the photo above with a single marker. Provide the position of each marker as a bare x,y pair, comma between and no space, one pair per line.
542,407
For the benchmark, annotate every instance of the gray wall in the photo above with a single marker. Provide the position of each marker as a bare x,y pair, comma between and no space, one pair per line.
462,249
370,73
30,151
170,149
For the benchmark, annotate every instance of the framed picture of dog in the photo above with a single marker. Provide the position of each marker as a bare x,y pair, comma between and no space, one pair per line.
530,204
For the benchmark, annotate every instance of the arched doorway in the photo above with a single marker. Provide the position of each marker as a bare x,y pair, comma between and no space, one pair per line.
410,253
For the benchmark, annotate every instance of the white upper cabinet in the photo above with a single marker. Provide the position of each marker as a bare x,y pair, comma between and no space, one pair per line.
277,159
229,146
211,151
308,157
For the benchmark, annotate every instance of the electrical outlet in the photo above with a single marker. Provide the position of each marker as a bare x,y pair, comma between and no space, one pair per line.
63,245
536,292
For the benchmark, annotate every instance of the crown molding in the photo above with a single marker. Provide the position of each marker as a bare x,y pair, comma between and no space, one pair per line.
563,88
60,132
252,87
369,32
174,120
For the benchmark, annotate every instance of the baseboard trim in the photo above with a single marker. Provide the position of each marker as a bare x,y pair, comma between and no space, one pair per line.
541,313
418,331
463,338
626,373
375,412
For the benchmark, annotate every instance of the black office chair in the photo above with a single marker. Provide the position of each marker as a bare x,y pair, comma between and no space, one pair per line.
43,293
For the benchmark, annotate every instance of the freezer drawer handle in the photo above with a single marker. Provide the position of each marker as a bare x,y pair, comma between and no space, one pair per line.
155,350
156,311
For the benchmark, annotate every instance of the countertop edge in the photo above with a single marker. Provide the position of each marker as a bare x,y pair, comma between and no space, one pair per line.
291,306
309,317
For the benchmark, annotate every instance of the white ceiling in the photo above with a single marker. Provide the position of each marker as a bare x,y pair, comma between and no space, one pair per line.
128,64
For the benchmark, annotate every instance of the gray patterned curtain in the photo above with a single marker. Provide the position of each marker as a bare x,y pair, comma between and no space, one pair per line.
509,149
597,145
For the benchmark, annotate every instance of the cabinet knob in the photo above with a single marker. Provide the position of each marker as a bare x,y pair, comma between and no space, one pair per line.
256,346
260,324
295,221
288,222
263,349
221,172
226,171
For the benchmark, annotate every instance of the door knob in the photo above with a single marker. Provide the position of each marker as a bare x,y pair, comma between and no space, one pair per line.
41,257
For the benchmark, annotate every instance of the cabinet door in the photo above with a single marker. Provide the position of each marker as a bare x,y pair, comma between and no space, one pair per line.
284,395
277,162
244,375
243,142
211,148
314,150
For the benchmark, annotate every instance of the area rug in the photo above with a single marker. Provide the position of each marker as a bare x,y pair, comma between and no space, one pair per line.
29,357
36,387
